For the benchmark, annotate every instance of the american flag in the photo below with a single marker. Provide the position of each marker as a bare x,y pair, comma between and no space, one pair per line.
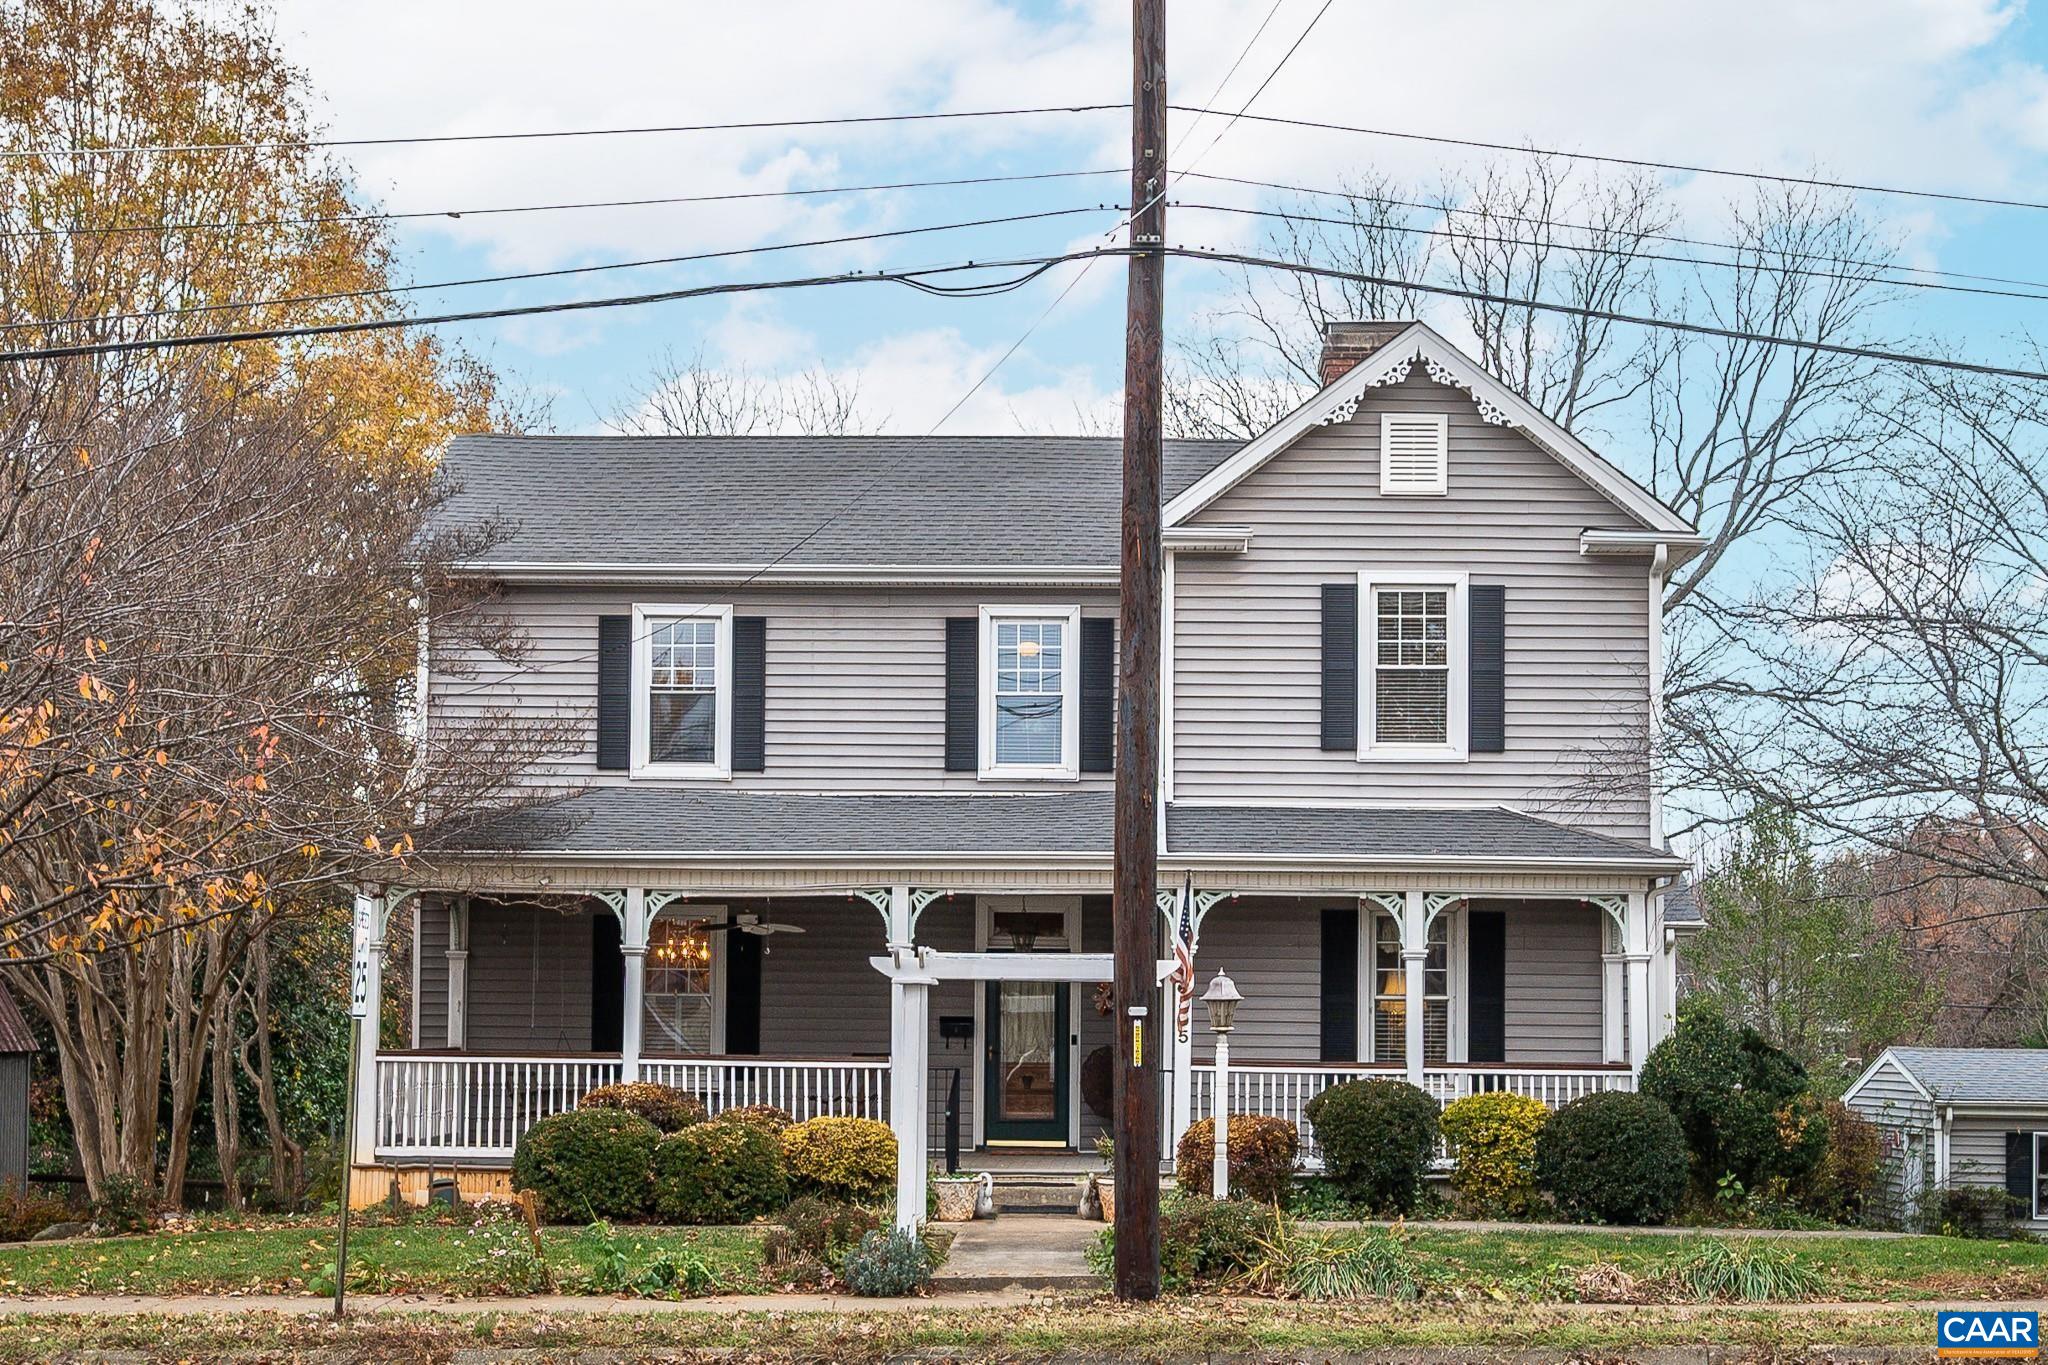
1184,962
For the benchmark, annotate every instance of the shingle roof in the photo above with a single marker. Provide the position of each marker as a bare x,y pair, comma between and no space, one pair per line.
14,1030
1368,832
861,500
1979,1075
650,821
1682,903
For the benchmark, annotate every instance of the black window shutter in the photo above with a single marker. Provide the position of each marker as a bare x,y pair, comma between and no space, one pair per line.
614,693
1486,699
1098,694
1486,968
2019,1173
1340,666
963,694
749,693
742,993
1340,985
607,984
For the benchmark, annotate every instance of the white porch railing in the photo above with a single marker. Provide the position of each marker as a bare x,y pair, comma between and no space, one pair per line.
476,1108
1283,1090
806,1089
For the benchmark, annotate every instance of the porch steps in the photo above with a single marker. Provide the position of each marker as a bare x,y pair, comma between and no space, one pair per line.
1037,1191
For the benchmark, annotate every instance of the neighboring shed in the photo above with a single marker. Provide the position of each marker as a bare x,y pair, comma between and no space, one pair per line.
1969,1116
17,1051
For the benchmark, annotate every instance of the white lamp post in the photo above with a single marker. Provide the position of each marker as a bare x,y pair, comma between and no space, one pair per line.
1221,1001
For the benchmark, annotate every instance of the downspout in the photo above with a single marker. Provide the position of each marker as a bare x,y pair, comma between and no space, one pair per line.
1660,565
1941,1140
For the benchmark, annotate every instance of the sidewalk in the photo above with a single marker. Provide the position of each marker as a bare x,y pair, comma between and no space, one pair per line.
1660,1230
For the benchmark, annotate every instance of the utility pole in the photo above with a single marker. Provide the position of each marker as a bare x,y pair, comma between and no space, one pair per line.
1137,729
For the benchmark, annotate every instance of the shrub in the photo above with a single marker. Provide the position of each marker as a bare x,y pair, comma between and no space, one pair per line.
1613,1157
1377,1139
587,1164
719,1173
1849,1168
1750,1271
24,1213
1262,1154
814,1232
1208,1240
1746,1107
1493,1143
768,1116
888,1263
123,1205
667,1108
1971,1211
841,1158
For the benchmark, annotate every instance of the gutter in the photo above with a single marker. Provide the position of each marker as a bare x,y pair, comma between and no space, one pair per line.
1181,862
826,575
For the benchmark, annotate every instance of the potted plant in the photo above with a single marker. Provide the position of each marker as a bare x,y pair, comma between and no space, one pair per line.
959,1194
1105,1181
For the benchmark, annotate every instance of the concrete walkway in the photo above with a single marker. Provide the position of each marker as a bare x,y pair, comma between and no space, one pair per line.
1022,1250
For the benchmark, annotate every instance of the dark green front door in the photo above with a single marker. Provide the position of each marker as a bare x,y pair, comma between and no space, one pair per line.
1024,1070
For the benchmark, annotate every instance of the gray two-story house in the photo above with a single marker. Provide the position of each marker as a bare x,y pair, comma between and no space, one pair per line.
834,827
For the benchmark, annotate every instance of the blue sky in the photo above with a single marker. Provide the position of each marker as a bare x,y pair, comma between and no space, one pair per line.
1944,94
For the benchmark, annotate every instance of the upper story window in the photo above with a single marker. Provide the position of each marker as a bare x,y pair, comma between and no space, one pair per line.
1030,710
682,690
1412,694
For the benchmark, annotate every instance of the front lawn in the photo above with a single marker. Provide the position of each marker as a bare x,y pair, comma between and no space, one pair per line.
481,1254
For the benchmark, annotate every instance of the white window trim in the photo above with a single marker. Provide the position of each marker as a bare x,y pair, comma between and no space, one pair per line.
1456,981
1442,486
1456,731
645,614
2040,1210
1068,769
687,911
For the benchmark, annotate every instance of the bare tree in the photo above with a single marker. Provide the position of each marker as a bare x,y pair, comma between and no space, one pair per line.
687,395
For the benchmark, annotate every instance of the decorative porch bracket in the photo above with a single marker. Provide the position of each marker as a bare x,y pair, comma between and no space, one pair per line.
1180,1110
901,907
1625,979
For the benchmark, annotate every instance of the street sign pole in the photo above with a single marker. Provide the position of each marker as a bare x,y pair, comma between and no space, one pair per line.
362,930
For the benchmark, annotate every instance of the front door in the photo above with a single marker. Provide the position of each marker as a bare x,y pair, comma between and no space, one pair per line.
1025,1069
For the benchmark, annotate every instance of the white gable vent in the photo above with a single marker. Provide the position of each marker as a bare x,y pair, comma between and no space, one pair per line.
1414,452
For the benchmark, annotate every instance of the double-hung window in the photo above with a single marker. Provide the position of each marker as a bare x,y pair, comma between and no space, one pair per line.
2040,1209
1390,992
1413,689
682,691
1030,719
681,992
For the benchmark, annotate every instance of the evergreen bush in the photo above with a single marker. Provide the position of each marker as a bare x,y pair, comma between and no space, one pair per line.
588,1164
841,1158
1262,1154
1613,1157
719,1173
1378,1138
1493,1147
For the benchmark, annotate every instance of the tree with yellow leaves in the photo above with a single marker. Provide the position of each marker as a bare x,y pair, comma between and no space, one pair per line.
214,572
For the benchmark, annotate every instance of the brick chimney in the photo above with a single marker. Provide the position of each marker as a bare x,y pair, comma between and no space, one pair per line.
1347,343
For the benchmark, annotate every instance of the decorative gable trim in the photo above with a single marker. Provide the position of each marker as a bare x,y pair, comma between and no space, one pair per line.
1445,364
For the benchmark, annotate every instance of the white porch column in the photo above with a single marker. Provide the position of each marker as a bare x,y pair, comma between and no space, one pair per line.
458,973
633,949
1414,953
370,920
1636,943
1612,979
910,1023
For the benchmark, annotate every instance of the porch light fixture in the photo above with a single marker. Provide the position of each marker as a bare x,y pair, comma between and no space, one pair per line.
1221,1000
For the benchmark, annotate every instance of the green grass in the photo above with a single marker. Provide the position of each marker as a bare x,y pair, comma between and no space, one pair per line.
491,1256
1180,1329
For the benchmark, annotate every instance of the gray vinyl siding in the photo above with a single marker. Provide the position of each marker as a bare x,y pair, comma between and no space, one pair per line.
855,681
529,979
1272,949
819,995
1246,666
1553,983
1889,1100
14,1081
1976,1147
432,999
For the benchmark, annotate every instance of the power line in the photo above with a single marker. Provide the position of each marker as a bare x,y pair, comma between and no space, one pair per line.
236,225
628,131
388,290
1638,162
1032,266
1761,253
1458,210
1601,314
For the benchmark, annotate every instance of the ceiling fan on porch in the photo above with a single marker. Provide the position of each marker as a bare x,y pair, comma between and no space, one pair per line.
754,924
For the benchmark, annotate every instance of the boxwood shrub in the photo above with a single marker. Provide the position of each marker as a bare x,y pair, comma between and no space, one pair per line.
664,1106
1262,1155
587,1164
841,1158
1746,1107
1377,1139
1613,1157
1492,1138
719,1173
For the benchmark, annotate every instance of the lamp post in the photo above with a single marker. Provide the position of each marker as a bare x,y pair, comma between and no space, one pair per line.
1221,1001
